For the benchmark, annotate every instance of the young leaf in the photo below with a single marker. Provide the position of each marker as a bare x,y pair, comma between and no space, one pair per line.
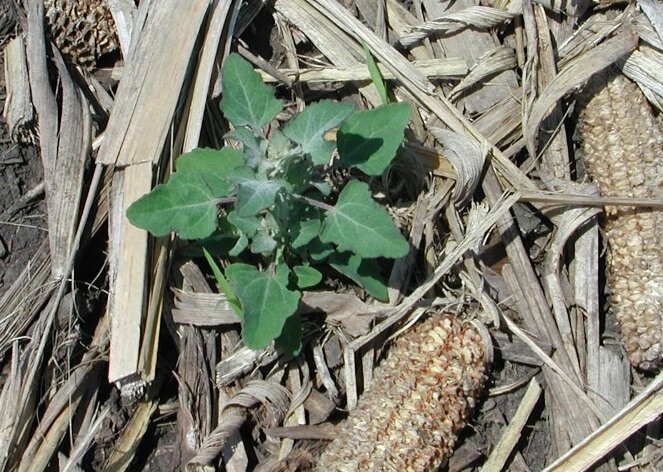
369,139
266,301
241,244
263,243
307,276
223,284
376,77
247,225
246,99
316,250
253,147
186,204
365,272
255,194
303,232
279,146
357,223
323,187
307,128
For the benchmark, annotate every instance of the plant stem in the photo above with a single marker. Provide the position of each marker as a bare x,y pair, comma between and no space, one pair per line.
315,203
224,200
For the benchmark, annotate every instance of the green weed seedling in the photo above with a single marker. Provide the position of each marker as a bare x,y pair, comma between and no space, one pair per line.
275,204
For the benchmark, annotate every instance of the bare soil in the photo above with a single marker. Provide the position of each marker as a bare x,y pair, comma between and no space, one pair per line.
23,227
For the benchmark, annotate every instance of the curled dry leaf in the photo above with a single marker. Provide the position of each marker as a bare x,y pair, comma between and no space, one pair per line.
467,159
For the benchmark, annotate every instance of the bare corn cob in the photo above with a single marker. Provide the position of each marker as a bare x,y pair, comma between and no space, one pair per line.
622,144
83,30
421,395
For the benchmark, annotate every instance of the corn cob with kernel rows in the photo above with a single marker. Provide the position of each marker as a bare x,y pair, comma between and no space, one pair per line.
420,398
622,145
83,30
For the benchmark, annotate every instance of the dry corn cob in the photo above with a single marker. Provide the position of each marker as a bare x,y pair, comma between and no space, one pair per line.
8,21
421,395
82,30
622,145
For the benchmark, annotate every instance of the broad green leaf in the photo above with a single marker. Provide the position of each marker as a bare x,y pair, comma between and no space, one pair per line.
246,99
307,128
223,284
210,161
266,301
186,204
219,180
376,77
290,340
369,139
357,223
307,276
365,272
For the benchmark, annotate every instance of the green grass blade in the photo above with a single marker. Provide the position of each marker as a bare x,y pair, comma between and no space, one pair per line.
376,77
233,301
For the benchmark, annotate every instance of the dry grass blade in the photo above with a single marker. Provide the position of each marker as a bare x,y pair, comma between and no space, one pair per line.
645,67
644,408
491,64
443,68
473,17
473,235
65,187
331,40
654,12
84,441
136,133
22,302
63,405
128,273
126,446
499,456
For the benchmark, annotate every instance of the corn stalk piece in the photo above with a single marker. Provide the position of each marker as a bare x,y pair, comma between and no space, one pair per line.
622,145
421,396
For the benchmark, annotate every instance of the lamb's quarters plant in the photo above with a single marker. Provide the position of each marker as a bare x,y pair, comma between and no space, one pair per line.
276,199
